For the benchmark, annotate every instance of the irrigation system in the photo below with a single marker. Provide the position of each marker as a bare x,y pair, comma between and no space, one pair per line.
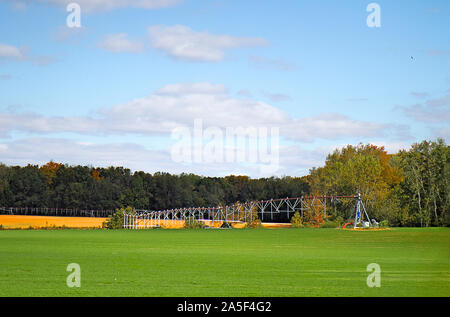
264,210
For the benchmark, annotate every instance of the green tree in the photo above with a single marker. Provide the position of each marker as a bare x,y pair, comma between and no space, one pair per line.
115,221
425,191
296,220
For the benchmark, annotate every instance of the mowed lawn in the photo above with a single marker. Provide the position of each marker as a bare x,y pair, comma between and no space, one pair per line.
239,262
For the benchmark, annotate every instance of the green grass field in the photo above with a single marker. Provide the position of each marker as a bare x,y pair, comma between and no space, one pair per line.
245,262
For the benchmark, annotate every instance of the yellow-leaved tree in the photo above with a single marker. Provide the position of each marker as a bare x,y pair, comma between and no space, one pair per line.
364,168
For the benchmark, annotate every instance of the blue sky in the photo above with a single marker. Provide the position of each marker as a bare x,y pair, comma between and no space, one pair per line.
112,91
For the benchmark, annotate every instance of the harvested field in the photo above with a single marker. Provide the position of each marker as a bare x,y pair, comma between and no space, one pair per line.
36,222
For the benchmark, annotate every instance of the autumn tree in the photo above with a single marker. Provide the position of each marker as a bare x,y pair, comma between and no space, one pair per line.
49,170
364,168
96,175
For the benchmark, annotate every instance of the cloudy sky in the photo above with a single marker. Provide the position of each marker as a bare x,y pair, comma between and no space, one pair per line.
113,91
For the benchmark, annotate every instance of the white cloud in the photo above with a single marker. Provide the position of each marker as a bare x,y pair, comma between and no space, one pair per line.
176,105
433,10
442,133
390,146
419,95
333,126
297,161
439,102
264,62
192,88
19,5
129,155
119,43
34,123
181,42
64,33
420,113
42,60
179,105
42,150
244,93
294,160
434,110
276,97
438,52
11,52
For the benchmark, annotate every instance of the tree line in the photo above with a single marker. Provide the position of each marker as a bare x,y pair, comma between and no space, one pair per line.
55,185
410,188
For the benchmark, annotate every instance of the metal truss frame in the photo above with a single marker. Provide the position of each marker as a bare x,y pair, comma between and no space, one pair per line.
237,212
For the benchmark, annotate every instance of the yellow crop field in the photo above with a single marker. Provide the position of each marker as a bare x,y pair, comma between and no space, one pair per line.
24,222
178,224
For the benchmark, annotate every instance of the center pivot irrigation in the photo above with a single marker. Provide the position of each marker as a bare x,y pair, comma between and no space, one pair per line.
241,213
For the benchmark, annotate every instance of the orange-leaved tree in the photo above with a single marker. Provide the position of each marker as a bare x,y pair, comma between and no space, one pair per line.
49,170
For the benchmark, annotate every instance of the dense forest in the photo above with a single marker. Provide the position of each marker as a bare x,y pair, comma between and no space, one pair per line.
410,188
56,185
